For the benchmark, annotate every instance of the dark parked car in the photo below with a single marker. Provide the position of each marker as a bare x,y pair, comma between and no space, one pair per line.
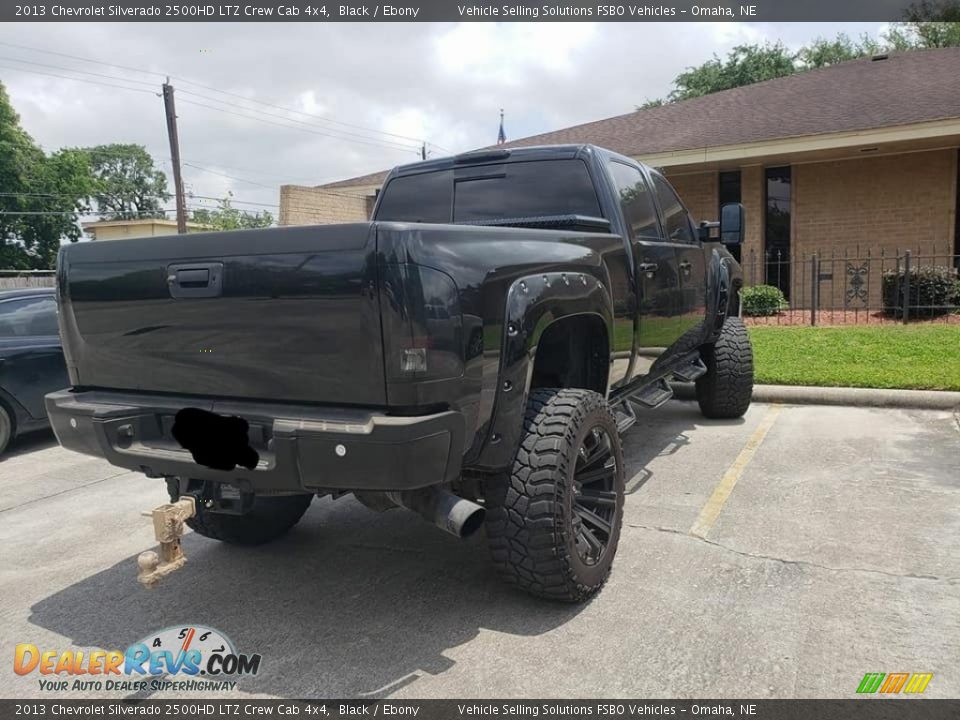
31,359
473,352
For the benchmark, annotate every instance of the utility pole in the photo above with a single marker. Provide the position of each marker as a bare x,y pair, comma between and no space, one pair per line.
423,151
175,155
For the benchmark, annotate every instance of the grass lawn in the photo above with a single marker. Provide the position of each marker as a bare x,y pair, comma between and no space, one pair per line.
921,357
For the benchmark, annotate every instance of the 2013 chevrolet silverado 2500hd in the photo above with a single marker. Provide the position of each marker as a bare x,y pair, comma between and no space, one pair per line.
471,353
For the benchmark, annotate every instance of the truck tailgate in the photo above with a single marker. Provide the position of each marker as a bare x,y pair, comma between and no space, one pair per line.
287,314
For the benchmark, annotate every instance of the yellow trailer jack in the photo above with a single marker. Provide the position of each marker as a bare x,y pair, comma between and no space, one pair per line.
168,522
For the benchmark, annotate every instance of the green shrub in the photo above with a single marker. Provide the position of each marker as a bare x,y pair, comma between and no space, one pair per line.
762,300
933,291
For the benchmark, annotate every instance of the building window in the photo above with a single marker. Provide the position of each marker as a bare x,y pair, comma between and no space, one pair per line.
956,217
777,228
729,192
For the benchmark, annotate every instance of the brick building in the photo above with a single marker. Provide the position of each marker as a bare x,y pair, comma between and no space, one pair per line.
855,158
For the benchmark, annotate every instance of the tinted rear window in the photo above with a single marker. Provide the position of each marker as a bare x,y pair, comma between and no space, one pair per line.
418,198
492,192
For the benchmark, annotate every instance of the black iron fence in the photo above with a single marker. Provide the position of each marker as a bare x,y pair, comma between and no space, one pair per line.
851,287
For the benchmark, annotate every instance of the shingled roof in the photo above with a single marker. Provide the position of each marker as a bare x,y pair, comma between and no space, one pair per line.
865,94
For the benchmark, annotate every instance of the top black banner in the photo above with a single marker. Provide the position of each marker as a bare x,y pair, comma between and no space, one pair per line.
478,11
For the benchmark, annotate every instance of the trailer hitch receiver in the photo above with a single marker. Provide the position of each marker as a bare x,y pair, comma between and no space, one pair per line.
168,522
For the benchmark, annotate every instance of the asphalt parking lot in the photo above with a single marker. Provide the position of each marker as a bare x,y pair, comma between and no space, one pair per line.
782,555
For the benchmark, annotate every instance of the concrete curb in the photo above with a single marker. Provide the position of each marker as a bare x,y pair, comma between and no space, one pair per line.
856,397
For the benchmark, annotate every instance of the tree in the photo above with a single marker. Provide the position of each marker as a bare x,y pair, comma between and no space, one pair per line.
928,24
40,196
744,65
128,186
822,52
647,104
227,217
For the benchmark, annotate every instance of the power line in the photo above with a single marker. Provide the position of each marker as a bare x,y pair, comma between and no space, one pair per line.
28,194
345,136
191,195
91,82
257,113
343,133
299,112
83,72
81,212
291,127
269,187
224,92
231,177
81,59
243,170
232,200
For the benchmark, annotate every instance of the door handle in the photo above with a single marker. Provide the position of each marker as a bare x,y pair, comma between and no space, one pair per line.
650,268
195,280
685,266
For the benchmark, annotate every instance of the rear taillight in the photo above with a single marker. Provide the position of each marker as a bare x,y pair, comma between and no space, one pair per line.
422,323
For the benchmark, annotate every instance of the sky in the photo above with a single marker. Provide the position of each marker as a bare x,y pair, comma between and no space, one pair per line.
366,95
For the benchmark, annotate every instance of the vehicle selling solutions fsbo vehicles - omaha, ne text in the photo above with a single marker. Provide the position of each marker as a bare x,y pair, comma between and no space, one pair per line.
473,354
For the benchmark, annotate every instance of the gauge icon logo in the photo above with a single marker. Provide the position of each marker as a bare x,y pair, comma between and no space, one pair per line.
188,650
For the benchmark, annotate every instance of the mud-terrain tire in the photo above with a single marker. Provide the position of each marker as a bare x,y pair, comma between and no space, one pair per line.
271,517
538,514
726,389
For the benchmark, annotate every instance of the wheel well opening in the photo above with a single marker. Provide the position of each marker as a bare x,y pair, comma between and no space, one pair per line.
573,352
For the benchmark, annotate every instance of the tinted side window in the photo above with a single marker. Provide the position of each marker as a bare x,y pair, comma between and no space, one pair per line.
636,200
676,221
28,316
526,190
426,198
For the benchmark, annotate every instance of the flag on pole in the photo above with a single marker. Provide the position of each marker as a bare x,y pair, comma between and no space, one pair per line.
501,136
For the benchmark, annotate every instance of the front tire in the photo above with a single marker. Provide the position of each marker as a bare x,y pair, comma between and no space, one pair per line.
725,391
271,517
553,522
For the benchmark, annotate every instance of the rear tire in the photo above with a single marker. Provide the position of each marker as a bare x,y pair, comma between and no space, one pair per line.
726,389
6,429
553,522
271,517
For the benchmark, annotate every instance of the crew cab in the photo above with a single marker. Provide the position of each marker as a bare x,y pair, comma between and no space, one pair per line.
473,353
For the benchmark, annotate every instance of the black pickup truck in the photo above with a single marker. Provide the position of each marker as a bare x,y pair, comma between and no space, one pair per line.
471,354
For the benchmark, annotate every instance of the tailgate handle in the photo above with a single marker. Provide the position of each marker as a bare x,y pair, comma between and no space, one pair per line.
195,280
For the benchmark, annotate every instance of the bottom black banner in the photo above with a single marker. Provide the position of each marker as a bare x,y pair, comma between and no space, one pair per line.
900,709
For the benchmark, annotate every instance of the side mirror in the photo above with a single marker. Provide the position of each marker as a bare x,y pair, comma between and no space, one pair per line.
732,224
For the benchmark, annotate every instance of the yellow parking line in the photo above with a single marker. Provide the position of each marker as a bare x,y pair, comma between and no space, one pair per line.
711,511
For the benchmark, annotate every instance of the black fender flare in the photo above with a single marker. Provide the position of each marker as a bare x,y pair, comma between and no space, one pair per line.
534,303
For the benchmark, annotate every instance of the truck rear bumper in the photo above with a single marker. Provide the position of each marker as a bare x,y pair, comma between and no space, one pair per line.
299,447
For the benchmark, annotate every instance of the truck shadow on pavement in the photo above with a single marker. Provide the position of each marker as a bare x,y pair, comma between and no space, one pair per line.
658,433
350,603
29,442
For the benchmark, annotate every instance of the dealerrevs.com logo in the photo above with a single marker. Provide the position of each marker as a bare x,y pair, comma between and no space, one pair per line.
189,657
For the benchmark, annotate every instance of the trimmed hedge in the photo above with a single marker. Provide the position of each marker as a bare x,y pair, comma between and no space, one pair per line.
762,300
934,290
